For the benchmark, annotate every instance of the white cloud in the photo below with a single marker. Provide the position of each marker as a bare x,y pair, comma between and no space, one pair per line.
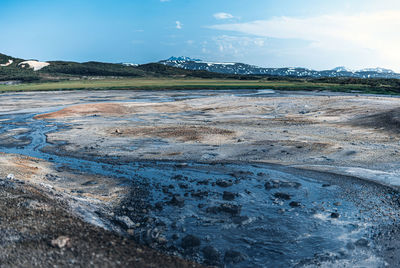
376,32
178,25
223,16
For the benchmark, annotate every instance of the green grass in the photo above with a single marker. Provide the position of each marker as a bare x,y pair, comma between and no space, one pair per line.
175,83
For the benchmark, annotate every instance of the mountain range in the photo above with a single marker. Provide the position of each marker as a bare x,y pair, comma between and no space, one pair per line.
16,70
246,69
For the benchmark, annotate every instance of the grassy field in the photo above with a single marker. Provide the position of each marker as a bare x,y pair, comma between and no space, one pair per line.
173,83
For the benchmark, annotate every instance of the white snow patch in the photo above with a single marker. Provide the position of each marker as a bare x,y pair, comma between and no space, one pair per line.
7,64
35,65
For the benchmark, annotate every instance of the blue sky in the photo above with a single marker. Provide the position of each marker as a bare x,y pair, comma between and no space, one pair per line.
313,34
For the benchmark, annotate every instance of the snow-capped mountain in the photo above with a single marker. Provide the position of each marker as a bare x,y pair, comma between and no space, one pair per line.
246,69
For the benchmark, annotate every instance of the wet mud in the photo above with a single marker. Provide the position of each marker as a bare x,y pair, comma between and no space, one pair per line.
190,175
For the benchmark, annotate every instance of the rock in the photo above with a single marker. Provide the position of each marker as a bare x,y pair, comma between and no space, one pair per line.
200,194
126,221
158,206
335,215
224,183
117,131
337,204
190,241
175,237
61,242
274,184
177,201
183,186
295,204
231,209
239,219
283,196
362,242
228,196
232,256
234,210
10,177
211,255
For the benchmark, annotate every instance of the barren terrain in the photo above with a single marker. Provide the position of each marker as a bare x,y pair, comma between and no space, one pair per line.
204,175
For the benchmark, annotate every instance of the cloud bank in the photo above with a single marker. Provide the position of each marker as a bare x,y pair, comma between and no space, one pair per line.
375,32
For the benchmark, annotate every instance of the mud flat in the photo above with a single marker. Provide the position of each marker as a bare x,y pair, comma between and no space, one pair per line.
241,178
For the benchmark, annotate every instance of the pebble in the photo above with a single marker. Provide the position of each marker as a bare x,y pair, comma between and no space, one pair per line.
211,255
61,242
190,241
335,215
232,257
282,196
228,196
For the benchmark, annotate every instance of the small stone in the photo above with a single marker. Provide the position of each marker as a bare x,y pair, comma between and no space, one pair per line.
362,242
231,209
228,196
61,242
335,215
10,176
126,221
337,204
175,237
232,256
295,204
190,241
224,183
282,196
177,201
211,255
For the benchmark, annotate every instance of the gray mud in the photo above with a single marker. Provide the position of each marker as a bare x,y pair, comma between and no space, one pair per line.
204,192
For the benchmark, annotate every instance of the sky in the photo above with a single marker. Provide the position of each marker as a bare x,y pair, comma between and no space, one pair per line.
269,33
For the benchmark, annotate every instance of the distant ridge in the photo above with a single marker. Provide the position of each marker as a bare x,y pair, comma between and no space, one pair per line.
246,69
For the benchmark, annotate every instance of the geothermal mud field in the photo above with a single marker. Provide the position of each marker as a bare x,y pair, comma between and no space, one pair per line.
235,178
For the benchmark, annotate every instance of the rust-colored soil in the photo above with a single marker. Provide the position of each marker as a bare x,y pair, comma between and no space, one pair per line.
182,133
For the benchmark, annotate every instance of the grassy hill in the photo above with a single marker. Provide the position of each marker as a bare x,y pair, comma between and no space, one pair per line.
98,75
66,70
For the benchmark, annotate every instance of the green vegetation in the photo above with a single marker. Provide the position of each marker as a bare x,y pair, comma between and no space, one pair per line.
61,75
186,83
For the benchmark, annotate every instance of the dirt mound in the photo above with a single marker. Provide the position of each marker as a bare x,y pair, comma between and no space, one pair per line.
386,121
182,133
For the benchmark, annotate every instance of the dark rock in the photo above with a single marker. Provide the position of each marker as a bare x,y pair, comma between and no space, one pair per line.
183,186
295,204
89,183
200,194
224,183
274,184
190,241
177,201
231,209
282,196
232,256
239,219
175,237
226,208
205,182
211,255
326,185
335,215
159,205
362,242
228,196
